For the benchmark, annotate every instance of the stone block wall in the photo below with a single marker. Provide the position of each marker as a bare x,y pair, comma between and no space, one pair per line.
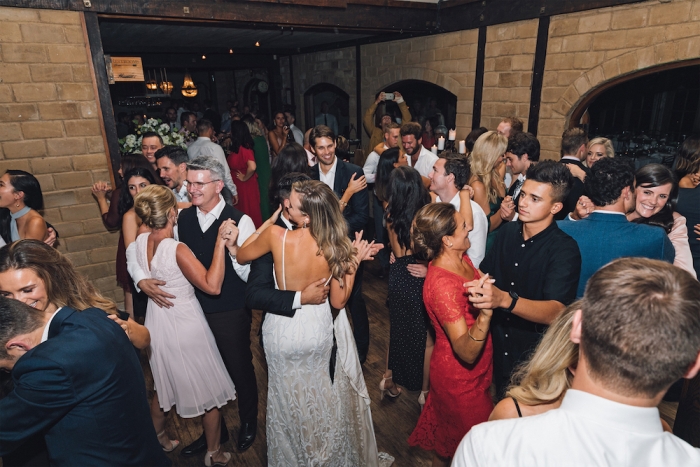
49,126
587,50
510,52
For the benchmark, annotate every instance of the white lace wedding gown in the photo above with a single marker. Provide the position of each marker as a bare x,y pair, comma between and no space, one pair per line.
311,421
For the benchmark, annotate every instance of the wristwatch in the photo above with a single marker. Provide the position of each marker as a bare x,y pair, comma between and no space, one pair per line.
515,298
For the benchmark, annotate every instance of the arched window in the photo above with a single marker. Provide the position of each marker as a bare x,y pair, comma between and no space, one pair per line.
328,98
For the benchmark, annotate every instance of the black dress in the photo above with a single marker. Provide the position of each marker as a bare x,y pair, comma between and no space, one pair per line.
409,323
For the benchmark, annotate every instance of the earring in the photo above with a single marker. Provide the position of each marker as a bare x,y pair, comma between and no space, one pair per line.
450,245
304,225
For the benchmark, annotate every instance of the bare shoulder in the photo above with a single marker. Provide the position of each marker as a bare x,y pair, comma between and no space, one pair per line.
504,410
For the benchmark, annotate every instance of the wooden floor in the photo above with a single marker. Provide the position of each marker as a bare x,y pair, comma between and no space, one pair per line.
393,419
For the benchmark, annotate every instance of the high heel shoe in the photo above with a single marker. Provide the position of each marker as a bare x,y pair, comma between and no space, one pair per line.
173,443
421,399
384,391
209,459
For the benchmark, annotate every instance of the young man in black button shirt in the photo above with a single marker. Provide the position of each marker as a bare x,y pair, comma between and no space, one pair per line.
536,267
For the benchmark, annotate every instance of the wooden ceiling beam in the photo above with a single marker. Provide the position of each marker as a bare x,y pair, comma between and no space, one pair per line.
381,18
472,15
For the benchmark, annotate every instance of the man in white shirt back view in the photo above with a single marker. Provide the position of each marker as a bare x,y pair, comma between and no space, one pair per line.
638,332
204,146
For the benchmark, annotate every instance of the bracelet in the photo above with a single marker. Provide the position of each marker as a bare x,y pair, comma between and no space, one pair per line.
256,233
343,203
469,333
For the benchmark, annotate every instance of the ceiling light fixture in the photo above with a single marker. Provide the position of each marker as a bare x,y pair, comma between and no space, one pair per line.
204,57
257,44
230,51
188,87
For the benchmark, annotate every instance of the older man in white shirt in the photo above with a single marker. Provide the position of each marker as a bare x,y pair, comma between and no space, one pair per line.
631,313
204,146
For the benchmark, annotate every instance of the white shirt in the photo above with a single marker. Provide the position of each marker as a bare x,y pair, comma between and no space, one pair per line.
477,236
370,167
426,161
298,134
311,157
329,177
586,430
182,196
45,334
206,147
245,230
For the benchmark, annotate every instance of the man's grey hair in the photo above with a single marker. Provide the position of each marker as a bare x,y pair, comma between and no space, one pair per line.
208,163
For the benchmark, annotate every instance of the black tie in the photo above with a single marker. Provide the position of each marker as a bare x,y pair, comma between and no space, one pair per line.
325,119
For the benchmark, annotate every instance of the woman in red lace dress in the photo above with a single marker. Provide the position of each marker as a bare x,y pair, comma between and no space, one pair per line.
241,161
461,364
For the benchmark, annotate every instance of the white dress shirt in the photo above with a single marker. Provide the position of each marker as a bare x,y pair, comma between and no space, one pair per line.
311,157
329,177
245,230
477,236
586,430
298,134
182,196
370,167
45,334
426,161
205,147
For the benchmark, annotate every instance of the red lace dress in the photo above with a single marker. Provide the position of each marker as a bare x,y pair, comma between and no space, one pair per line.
459,393
248,191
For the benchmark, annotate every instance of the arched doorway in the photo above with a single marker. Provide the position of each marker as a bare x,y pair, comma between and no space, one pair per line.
424,99
646,114
256,96
337,102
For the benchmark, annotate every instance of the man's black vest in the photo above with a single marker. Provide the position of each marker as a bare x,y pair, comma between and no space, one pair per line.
232,295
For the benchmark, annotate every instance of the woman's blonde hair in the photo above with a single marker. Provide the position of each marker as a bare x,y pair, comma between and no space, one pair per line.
154,204
253,128
609,149
546,376
65,286
327,226
489,148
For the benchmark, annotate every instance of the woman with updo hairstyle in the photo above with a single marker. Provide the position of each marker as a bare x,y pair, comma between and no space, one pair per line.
188,371
292,158
488,170
461,365
20,195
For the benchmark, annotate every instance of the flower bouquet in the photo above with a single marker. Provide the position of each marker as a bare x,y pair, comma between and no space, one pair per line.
132,142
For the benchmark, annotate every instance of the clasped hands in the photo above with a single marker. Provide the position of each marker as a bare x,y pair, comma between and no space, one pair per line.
484,295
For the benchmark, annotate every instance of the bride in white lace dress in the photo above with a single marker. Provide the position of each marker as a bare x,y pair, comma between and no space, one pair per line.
310,420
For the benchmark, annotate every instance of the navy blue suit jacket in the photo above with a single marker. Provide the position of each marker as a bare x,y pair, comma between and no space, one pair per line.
84,390
604,237
356,213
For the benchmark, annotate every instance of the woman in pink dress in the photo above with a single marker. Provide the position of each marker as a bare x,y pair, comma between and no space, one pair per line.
461,365
241,161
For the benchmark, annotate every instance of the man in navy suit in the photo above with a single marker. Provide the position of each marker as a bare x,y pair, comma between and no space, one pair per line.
573,152
606,234
78,382
337,174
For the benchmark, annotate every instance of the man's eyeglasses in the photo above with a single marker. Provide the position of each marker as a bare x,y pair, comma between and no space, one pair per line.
199,185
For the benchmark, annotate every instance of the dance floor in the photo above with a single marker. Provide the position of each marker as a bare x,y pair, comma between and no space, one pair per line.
393,419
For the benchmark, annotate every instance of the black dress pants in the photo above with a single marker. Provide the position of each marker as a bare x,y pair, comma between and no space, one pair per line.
231,331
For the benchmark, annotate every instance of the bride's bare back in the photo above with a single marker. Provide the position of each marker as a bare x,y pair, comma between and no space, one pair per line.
302,265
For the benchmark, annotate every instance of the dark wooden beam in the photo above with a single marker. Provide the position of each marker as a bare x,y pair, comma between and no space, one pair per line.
355,16
489,12
479,78
291,85
92,29
538,74
363,41
358,92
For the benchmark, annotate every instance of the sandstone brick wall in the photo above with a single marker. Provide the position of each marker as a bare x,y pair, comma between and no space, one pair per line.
49,126
586,50
336,67
510,52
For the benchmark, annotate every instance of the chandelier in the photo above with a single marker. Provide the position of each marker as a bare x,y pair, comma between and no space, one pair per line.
188,87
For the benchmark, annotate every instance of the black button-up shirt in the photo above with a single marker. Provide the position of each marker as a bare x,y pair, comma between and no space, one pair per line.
544,267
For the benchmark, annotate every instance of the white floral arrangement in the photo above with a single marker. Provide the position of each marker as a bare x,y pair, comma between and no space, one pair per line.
132,143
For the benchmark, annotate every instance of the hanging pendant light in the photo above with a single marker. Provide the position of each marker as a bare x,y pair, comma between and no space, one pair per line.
188,87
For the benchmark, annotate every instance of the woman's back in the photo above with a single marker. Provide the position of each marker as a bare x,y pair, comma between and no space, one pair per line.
297,263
